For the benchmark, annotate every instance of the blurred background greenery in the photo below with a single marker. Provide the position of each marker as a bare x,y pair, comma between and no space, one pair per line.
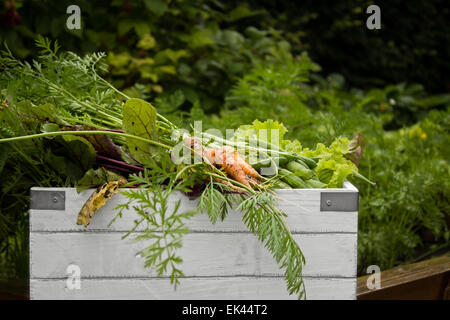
314,66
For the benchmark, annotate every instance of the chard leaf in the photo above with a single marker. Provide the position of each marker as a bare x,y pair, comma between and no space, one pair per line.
78,151
93,178
101,142
139,119
63,166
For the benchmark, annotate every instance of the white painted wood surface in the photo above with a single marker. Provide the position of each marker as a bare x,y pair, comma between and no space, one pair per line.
221,261
302,208
218,288
105,254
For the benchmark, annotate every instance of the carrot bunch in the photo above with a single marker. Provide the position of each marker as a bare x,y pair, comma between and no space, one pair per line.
228,159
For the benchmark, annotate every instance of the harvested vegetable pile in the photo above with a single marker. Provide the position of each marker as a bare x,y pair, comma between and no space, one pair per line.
103,139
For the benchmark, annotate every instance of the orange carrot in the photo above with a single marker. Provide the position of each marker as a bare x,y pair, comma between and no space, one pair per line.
229,159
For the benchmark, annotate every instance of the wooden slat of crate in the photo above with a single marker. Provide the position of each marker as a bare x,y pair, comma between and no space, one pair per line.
220,288
227,254
303,212
224,252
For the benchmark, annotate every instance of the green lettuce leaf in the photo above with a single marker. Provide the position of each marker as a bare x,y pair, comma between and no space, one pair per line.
333,172
339,147
333,167
266,133
293,146
270,131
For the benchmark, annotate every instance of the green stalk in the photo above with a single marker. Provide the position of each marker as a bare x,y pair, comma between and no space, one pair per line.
236,144
171,125
112,87
243,186
360,176
62,133
71,96
166,121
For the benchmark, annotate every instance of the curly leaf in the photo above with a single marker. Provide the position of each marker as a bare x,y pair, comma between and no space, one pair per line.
293,146
333,172
265,130
355,149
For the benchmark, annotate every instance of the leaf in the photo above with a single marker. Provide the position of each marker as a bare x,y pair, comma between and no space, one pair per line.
147,42
269,131
168,54
80,151
142,28
167,69
334,172
63,166
293,146
198,38
73,157
49,127
158,7
124,26
93,178
139,119
43,112
101,142
355,149
243,12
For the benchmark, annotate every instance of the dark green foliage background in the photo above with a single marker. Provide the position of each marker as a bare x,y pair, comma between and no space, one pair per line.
413,44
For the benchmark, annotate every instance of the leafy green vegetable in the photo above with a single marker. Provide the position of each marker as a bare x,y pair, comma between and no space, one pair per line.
43,112
270,131
267,134
332,168
139,119
334,172
293,146
81,152
355,147
71,156
93,178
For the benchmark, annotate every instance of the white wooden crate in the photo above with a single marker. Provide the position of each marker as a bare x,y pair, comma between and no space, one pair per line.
221,261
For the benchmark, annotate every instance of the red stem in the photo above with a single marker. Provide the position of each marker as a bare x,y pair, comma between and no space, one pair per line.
121,163
112,167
